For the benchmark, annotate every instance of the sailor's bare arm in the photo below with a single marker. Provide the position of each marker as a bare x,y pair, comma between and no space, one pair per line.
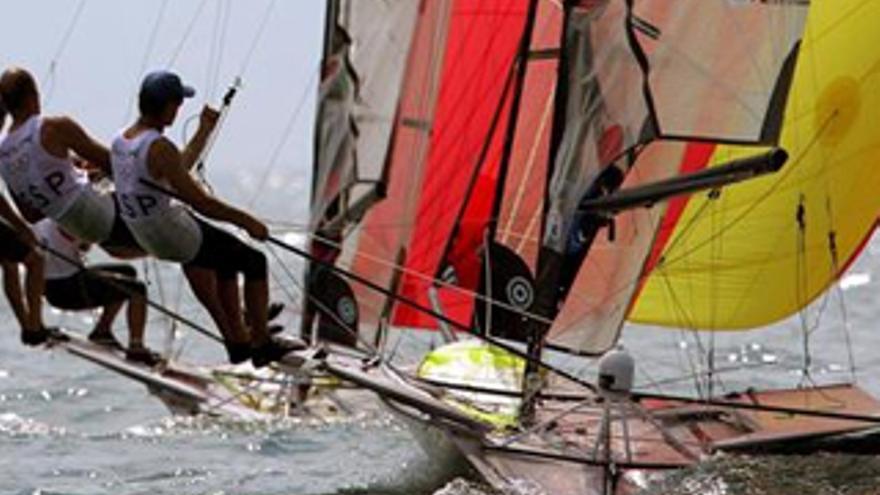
195,146
61,134
165,161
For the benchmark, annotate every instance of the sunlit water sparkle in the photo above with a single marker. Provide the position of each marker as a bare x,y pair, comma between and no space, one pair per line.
69,428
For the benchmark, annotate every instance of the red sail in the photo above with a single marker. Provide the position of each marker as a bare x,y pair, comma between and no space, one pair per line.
465,153
519,217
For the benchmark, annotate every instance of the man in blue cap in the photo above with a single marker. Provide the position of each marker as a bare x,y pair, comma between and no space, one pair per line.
150,173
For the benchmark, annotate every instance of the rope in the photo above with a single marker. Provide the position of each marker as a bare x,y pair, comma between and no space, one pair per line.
253,48
438,282
186,33
323,307
430,312
51,73
231,92
285,135
218,42
151,44
801,287
119,286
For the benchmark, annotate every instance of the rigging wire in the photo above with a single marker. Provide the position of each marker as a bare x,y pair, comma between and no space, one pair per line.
52,71
212,51
256,41
285,136
232,91
841,297
436,281
123,288
151,44
801,287
218,44
186,33
428,311
324,309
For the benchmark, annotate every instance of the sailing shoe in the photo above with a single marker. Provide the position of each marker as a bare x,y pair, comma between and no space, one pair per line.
275,349
274,310
55,334
142,355
238,352
40,336
106,339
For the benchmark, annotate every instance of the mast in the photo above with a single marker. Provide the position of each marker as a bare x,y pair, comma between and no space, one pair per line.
531,377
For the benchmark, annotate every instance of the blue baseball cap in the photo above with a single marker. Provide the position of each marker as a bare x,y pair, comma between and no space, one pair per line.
161,87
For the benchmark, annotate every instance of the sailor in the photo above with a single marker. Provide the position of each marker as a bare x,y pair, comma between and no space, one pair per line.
16,249
37,162
71,285
149,170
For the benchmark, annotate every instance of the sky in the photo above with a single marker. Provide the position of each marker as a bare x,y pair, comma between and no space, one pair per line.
89,56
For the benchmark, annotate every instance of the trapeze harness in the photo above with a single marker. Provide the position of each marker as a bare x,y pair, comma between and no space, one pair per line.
54,186
166,228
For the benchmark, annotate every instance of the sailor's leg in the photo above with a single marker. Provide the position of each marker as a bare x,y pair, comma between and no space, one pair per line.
12,288
105,321
137,319
256,300
227,256
35,283
120,285
230,297
203,282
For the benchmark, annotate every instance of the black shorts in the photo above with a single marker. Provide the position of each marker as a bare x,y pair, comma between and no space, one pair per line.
98,286
11,247
120,234
227,255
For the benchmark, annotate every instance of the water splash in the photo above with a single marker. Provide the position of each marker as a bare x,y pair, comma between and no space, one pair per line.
14,426
822,474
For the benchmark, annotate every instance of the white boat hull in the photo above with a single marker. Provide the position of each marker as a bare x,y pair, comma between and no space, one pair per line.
232,392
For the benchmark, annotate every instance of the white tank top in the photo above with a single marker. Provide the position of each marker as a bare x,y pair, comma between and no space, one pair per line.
68,246
37,178
162,226
139,201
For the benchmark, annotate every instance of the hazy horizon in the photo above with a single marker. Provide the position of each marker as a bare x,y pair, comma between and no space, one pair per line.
89,56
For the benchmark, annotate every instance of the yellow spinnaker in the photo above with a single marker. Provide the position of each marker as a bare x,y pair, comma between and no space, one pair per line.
744,259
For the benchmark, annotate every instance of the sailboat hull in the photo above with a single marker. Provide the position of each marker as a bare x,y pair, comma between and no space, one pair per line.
232,392
570,454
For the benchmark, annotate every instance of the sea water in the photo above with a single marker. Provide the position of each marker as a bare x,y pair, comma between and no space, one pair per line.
69,427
